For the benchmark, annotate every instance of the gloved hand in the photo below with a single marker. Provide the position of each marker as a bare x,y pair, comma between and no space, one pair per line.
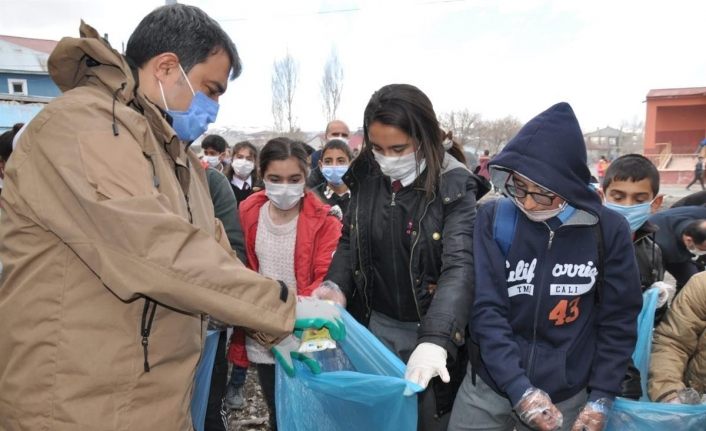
666,292
426,362
592,416
315,313
286,351
329,290
686,396
536,409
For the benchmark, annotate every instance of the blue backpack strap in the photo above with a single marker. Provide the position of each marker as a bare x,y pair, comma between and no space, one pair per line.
504,224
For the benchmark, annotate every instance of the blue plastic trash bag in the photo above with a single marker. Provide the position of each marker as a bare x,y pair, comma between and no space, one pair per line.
643,415
202,380
362,387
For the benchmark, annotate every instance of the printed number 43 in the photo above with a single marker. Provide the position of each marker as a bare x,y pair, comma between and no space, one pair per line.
565,312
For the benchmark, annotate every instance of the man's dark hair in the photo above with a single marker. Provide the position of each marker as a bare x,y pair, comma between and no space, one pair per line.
282,149
632,167
184,30
337,144
215,142
6,141
696,230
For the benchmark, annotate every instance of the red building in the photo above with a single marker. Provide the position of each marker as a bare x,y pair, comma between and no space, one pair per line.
675,124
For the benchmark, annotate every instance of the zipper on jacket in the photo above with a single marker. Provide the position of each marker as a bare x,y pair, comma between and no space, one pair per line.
530,360
411,256
146,328
360,257
392,202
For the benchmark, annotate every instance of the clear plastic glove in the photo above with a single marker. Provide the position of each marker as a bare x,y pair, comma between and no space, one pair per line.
317,314
666,293
426,362
592,416
536,409
286,352
330,291
686,396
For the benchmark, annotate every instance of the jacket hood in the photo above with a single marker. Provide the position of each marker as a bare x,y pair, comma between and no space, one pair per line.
550,151
76,60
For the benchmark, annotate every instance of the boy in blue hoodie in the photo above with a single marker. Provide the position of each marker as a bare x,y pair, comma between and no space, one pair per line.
557,290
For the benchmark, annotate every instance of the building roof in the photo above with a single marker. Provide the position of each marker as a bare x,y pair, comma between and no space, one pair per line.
20,59
606,132
676,92
42,45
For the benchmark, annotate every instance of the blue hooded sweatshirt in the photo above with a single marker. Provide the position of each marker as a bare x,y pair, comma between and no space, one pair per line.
536,316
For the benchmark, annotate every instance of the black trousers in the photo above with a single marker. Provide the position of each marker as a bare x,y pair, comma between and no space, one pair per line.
215,414
698,176
266,375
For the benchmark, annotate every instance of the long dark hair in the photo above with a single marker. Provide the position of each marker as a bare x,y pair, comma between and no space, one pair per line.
281,149
253,150
407,108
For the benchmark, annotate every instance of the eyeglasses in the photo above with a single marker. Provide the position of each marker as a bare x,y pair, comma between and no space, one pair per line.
521,193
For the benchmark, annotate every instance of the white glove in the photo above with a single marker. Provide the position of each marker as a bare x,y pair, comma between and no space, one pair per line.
666,292
328,290
426,362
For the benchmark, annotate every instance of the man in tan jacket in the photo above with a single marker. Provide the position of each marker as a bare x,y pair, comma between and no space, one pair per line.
108,239
678,363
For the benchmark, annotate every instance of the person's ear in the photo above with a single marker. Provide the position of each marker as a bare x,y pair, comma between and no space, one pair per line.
656,204
166,67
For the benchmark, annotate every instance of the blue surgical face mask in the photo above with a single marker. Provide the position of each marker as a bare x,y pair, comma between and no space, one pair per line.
334,174
636,215
193,122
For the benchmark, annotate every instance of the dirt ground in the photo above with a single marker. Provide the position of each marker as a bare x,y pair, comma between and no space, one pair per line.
254,416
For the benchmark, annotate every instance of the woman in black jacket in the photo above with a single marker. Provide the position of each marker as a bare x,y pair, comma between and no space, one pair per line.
404,261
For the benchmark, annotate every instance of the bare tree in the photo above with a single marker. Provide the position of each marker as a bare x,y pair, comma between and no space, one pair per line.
285,77
332,85
495,134
463,124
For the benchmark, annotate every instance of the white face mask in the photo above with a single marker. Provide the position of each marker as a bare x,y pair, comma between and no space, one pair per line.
242,167
540,215
402,168
284,196
213,161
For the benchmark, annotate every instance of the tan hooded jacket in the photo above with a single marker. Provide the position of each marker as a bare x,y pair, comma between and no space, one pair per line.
105,213
679,347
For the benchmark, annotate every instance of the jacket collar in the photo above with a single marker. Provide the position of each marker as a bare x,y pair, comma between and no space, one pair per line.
647,229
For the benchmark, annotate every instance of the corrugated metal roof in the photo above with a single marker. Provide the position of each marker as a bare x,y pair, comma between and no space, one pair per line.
17,58
42,45
677,92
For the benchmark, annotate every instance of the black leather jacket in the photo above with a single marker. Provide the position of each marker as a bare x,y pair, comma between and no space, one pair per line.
441,262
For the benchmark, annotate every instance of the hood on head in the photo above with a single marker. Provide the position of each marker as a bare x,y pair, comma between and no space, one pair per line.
550,151
76,60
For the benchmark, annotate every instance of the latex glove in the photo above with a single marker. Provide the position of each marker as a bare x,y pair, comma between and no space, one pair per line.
286,351
426,362
666,292
328,290
536,409
592,416
686,396
315,313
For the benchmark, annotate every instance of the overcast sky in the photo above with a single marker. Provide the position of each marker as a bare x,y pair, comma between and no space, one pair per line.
495,57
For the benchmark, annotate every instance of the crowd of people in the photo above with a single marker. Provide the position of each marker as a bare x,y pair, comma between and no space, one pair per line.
119,247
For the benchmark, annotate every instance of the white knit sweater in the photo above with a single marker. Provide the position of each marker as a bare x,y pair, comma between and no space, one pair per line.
274,247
